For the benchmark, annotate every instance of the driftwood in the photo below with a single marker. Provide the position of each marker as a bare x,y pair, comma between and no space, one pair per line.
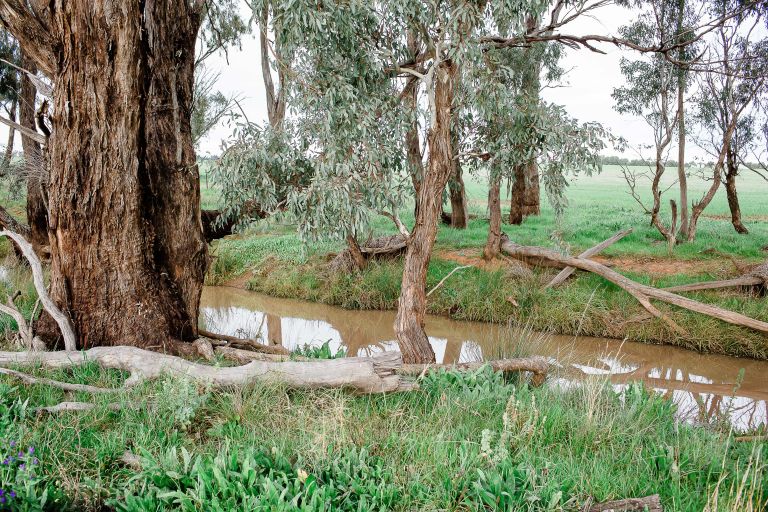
537,365
648,503
640,291
61,319
232,341
567,271
375,374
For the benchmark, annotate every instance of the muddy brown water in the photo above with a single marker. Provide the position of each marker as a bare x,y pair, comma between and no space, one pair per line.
703,386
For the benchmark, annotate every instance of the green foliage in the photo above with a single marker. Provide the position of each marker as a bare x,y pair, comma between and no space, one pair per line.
23,486
322,352
179,400
257,480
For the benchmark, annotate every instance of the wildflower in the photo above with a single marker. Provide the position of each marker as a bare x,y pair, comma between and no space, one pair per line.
13,444
31,450
22,466
12,494
2,491
35,461
2,499
6,461
20,455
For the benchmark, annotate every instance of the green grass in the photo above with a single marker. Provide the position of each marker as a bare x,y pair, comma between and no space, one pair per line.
467,441
275,262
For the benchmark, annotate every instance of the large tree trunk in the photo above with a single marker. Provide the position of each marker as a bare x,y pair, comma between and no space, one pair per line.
532,193
456,189
493,244
11,138
127,251
34,163
732,171
518,196
681,177
412,304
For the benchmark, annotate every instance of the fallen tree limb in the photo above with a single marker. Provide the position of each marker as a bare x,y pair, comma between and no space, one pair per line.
246,356
758,276
62,320
639,291
567,271
66,386
233,341
648,503
537,365
74,407
375,374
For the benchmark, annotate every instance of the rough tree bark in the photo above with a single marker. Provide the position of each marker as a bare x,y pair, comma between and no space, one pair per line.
127,251
37,213
518,193
412,304
732,171
493,243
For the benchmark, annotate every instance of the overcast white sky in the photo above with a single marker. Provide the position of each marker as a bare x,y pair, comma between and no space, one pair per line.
586,91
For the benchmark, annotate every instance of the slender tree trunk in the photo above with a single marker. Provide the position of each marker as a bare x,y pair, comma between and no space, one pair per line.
518,196
732,171
274,330
493,244
412,304
681,177
34,162
456,186
9,145
275,101
412,143
128,256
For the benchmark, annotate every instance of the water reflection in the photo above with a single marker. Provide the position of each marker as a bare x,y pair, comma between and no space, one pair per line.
703,386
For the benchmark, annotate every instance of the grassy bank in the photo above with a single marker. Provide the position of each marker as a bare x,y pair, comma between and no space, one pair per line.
271,259
461,442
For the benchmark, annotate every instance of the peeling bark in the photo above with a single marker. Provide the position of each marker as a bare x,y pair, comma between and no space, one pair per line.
493,243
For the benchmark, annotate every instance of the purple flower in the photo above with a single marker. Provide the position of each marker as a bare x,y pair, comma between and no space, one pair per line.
2,491
31,450
35,461
2,499
12,494
20,455
22,466
13,444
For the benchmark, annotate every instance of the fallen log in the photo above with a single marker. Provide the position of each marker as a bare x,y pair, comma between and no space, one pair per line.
567,271
74,407
375,374
66,386
648,503
246,356
640,291
537,365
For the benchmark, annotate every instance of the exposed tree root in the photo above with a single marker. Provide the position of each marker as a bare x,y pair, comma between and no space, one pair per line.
640,291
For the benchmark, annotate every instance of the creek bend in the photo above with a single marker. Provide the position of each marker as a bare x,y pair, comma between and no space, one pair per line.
702,385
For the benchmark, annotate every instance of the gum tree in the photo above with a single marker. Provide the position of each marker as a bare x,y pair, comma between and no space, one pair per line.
127,251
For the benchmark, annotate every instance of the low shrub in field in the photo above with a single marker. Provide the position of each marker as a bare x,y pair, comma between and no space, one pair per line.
258,480
322,352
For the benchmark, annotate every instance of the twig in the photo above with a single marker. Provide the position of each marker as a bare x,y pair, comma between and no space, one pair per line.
438,285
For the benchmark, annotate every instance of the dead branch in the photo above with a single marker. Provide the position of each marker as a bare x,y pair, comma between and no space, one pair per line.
37,276
28,338
756,277
232,341
438,285
8,222
567,271
394,218
375,374
66,386
537,365
74,407
648,503
640,291
246,356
